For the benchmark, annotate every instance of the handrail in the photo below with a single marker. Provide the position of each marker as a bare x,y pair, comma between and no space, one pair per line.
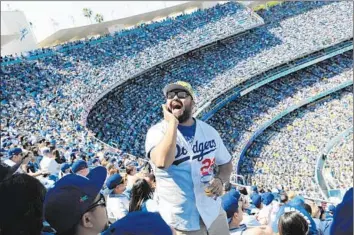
320,180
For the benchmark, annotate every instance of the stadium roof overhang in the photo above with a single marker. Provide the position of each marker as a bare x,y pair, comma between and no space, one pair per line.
5,39
87,31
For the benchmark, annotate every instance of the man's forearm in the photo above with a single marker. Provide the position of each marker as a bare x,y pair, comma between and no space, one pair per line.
164,153
225,172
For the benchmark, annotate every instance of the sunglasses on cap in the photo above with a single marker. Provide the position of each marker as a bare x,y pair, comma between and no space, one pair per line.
180,94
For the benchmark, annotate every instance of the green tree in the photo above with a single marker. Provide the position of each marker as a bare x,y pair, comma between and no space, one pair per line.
99,18
88,13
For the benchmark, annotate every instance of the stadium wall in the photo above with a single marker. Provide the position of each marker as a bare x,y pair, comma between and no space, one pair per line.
17,32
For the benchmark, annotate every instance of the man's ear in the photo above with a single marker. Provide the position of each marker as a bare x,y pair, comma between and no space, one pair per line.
86,220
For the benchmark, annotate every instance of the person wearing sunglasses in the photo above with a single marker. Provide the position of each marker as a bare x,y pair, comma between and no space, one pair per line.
74,206
117,201
191,164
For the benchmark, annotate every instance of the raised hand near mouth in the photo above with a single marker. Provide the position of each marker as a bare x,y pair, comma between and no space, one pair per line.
168,116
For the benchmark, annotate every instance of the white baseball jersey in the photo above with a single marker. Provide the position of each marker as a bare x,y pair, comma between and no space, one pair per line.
181,195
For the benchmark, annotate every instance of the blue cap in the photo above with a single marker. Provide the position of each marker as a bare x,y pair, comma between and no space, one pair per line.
70,197
230,202
94,160
64,167
254,189
256,200
79,165
113,181
343,217
267,198
14,151
139,223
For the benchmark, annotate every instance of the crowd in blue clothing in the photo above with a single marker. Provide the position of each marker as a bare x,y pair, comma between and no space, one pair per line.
241,118
47,94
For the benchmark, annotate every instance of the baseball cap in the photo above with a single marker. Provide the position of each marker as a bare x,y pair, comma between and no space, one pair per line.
79,165
64,167
230,202
256,200
139,223
14,151
70,197
343,216
113,181
179,85
267,198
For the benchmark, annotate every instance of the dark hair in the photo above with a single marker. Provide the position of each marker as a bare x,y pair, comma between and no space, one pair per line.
243,191
151,177
292,223
284,198
308,208
21,203
141,191
129,169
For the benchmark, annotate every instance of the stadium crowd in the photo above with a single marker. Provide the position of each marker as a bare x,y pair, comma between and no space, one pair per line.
213,68
242,117
45,147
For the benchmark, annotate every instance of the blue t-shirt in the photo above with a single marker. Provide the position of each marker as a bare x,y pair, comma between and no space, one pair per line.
188,132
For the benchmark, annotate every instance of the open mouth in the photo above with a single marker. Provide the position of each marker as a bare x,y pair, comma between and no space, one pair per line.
177,108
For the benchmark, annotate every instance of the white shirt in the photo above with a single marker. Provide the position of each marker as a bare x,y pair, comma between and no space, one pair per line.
50,165
181,195
117,206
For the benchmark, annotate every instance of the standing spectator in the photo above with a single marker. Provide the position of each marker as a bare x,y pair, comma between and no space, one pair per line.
75,206
141,197
182,151
343,217
117,201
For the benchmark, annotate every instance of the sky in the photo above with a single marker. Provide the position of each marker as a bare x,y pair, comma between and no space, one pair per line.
48,17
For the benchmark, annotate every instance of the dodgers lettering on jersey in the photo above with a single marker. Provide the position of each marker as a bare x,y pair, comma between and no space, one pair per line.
181,195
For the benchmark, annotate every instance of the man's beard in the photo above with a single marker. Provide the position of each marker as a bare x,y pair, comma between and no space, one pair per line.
186,114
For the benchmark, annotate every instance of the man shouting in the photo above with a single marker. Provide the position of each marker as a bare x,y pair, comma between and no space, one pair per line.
184,152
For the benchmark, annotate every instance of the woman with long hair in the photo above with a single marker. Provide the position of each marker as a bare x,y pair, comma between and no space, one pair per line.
141,197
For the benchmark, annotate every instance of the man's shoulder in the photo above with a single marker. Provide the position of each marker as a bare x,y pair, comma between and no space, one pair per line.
207,127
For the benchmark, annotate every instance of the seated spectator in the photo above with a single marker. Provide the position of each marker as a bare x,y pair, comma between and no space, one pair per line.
21,202
256,204
293,223
264,215
75,206
14,157
139,223
64,170
117,201
48,162
141,197
232,207
80,167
